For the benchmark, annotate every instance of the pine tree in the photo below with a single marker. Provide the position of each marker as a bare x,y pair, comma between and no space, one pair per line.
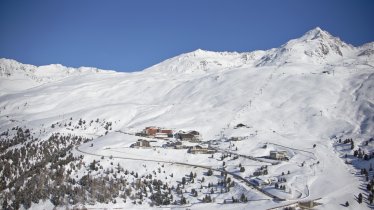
183,200
359,200
5,204
370,198
93,165
209,173
243,198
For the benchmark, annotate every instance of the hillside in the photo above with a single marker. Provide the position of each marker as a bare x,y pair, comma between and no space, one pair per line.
16,76
315,89
201,86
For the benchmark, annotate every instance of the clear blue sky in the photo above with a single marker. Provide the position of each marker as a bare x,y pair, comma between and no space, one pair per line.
132,35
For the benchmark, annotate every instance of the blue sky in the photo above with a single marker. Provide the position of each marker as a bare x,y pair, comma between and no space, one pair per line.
132,35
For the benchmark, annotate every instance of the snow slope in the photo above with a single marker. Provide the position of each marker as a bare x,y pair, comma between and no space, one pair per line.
303,93
16,76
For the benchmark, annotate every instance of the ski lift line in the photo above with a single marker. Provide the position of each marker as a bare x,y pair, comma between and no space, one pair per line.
245,156
258,93
292,148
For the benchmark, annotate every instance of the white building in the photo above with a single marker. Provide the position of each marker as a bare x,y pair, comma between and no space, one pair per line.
279,155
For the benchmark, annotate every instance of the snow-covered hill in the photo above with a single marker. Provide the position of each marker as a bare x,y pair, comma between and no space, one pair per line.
15,76
305,92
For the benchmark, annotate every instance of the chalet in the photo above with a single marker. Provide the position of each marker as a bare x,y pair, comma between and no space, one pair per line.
279,155
168,132
200,150
192,136
186,137
195,133
151,131
157,132
141,143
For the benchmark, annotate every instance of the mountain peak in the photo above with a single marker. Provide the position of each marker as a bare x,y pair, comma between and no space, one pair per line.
315,46
316,33
316,30
201,53
198,52
200,61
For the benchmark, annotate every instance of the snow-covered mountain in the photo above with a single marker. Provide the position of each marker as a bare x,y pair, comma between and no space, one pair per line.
308,91
316,46
16,76
313,73
201,61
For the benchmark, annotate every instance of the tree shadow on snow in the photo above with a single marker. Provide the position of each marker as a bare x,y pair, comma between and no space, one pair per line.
343,204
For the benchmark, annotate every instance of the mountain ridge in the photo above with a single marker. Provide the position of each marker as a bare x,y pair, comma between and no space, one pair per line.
315,43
